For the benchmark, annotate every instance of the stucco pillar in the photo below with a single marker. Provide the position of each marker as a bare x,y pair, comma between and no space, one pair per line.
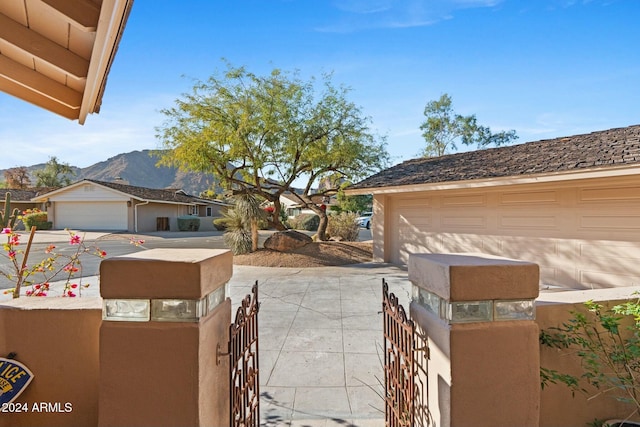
165,313
478,313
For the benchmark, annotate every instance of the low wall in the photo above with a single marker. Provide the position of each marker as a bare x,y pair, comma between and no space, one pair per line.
558,407
58,340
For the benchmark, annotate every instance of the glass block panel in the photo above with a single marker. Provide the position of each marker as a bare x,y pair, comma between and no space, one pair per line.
125,310
216,298
514,310
178,310
469,311
428,300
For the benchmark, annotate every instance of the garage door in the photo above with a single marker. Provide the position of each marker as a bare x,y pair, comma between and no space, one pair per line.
91,216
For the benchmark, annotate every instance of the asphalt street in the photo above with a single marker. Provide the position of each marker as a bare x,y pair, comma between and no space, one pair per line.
120,244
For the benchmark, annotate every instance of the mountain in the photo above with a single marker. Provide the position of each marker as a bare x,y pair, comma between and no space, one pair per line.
139,168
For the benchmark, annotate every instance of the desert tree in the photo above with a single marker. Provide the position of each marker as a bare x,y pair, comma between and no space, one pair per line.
270,134
54,174
443,129
17,177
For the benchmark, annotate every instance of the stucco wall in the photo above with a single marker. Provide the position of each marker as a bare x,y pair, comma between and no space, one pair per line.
558,407
583,233
57,339
147,214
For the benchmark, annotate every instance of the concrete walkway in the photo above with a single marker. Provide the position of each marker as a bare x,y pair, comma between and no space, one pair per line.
320,340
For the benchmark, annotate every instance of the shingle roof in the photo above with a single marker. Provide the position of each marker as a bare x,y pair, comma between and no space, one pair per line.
24,194
604,149
158,194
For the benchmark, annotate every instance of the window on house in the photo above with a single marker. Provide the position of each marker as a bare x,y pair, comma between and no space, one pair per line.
193,210
209,211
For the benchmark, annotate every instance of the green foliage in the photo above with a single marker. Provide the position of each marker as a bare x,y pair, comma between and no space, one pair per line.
360,203
54,174
188,223
308,222
607,341
344,226
6,220
220,224
260,133
442,129
39,219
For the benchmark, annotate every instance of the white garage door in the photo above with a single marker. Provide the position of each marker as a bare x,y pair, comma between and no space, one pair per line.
91,216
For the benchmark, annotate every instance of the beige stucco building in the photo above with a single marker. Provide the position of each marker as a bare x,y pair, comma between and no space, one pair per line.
571,204
100,205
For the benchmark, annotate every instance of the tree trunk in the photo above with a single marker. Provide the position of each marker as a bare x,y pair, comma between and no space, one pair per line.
277,207
324,222
254,235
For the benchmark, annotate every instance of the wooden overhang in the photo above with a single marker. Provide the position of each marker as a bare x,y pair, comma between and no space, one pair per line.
56,54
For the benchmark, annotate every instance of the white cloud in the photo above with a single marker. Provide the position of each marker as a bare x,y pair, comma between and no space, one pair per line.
358,15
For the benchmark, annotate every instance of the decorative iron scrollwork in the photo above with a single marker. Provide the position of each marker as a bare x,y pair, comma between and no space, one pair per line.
243,353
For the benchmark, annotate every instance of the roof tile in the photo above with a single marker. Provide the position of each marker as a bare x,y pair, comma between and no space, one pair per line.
609,148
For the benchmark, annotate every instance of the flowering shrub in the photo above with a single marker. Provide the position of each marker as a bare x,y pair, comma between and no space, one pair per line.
37,277
37,219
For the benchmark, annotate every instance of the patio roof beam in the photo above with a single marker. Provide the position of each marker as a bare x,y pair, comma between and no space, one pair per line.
26,94
82,14
29,41
33,81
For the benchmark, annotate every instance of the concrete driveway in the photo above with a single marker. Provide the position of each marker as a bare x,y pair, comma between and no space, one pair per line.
320,340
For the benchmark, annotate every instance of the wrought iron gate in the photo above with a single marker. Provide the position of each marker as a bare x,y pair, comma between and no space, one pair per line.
405,396
243,353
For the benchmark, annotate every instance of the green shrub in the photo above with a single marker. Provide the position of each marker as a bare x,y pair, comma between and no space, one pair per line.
607,341
308,222
188,223
220,224
344,226
39,219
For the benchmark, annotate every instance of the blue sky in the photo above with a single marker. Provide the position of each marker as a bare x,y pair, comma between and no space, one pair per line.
545,68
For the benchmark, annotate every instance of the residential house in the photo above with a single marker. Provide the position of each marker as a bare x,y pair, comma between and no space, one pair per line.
292,206
98,205
570,204
21,198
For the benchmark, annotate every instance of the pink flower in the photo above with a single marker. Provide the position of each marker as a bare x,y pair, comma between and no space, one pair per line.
49,249
12,255
70,294
6,231
75,240
29,293
70,268
74,286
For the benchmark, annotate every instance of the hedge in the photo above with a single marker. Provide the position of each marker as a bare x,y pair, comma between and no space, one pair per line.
39,219
188,223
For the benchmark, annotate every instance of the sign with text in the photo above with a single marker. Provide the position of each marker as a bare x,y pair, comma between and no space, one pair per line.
14,379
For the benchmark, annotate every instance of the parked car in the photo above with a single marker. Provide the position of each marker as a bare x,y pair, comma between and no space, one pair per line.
364,221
